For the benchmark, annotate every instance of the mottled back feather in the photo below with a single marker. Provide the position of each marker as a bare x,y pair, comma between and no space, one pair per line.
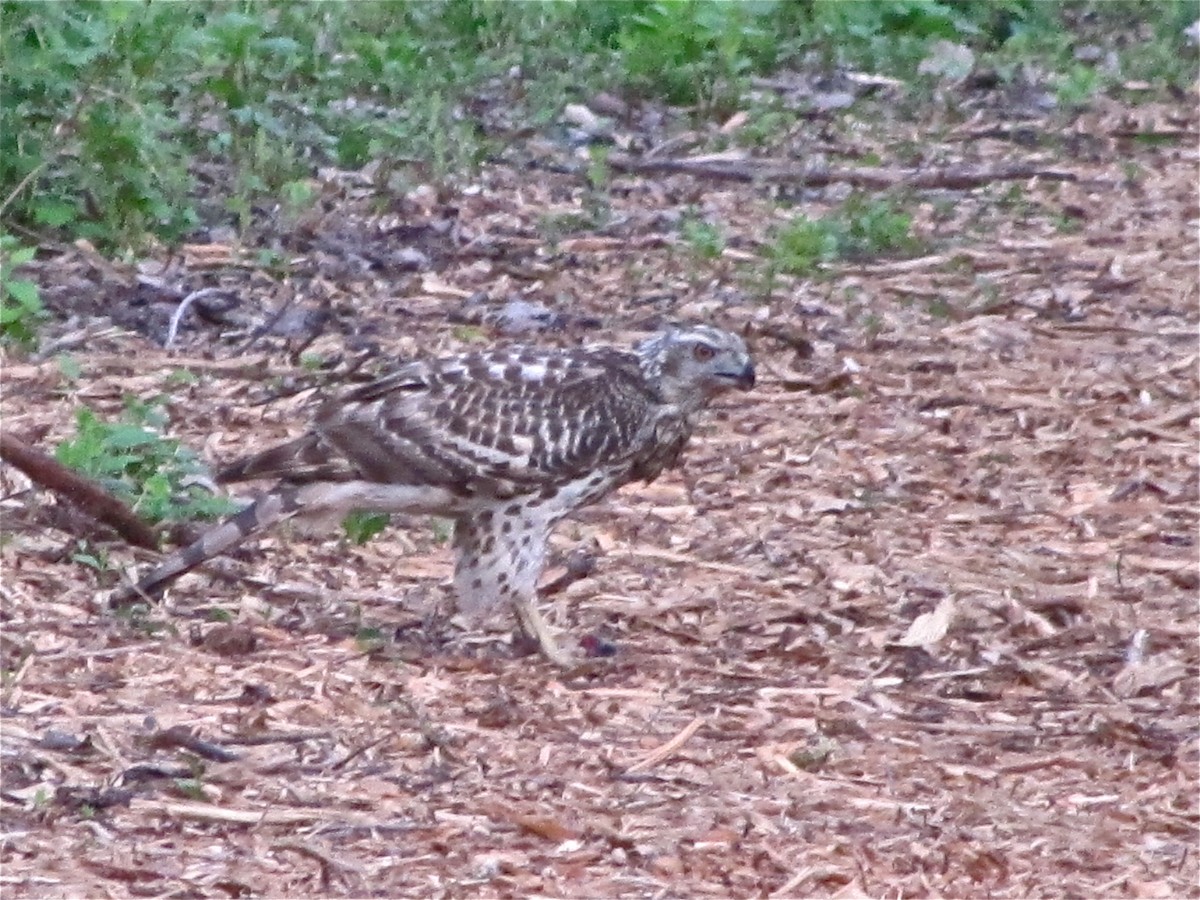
477,424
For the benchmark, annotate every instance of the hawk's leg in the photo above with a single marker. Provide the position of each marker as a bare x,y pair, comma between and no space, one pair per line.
499,556
580,564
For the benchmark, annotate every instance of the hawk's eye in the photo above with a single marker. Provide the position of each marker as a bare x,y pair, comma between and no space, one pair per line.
703,353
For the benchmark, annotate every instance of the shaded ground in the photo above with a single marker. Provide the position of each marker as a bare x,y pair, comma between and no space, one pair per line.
917,618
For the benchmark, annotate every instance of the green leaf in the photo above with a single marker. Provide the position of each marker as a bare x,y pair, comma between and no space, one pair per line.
124,437
281,46
361,526
19,257
150,471
25,293
69,367
54,213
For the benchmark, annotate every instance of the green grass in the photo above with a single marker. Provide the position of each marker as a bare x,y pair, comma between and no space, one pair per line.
361,526
131,123
21,308
705,240
858,229
801,245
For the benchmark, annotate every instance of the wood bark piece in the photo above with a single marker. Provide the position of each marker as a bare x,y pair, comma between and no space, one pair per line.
52,475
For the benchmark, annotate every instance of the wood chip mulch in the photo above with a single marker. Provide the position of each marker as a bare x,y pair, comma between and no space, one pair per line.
918,617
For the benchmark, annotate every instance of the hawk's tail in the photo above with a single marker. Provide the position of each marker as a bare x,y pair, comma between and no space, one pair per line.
305,459
257,517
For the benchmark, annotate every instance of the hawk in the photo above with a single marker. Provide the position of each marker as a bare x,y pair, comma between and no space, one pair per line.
503,442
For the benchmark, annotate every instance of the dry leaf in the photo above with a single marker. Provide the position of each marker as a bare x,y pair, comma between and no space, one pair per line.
929,628
1135,679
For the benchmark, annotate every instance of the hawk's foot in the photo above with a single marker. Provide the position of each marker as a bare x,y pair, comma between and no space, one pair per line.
535,626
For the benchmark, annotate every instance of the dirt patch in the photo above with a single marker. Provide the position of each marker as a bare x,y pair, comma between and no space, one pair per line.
918,616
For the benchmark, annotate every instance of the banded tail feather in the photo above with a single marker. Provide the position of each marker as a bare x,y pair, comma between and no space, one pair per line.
320,503
308,458
260,515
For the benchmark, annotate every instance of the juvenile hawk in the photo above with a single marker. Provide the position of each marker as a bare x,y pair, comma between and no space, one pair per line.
504,442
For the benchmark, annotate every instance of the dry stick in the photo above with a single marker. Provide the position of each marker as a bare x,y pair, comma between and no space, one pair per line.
206,812
329,865
256,367
82,492
669,747
22,184
357,751
789,887
256,740
955,178
76,654
181,310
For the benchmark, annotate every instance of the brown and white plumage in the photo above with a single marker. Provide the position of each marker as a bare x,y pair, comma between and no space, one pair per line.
504,442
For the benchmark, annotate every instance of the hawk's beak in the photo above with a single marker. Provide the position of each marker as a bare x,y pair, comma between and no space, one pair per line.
743,378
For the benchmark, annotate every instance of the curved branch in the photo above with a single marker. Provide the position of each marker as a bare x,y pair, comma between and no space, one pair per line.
52,475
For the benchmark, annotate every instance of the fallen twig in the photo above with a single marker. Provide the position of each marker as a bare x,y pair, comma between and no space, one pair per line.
205,812
181,310
257,740
774,170
329,865
669,747
182,736
256,367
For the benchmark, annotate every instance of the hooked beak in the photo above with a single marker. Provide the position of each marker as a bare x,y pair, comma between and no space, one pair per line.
743,379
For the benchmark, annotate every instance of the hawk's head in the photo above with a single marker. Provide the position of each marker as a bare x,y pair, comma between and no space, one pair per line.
689,365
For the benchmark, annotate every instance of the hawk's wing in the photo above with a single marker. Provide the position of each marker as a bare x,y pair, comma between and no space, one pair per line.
495,424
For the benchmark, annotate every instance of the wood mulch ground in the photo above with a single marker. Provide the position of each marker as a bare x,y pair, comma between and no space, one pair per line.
918,617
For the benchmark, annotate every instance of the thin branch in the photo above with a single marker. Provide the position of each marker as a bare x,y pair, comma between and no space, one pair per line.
86,494
22,184
788,171
180,310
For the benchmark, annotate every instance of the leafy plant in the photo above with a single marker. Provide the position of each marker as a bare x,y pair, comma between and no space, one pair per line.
767,125
704,238
361,526
20,302
443,529
93,558
133,460
874,227
555,226
1078,85
69,369
125,123
139,618
599,174
191,788
696,52
858,229
81,146
803,243
940,308
370,639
